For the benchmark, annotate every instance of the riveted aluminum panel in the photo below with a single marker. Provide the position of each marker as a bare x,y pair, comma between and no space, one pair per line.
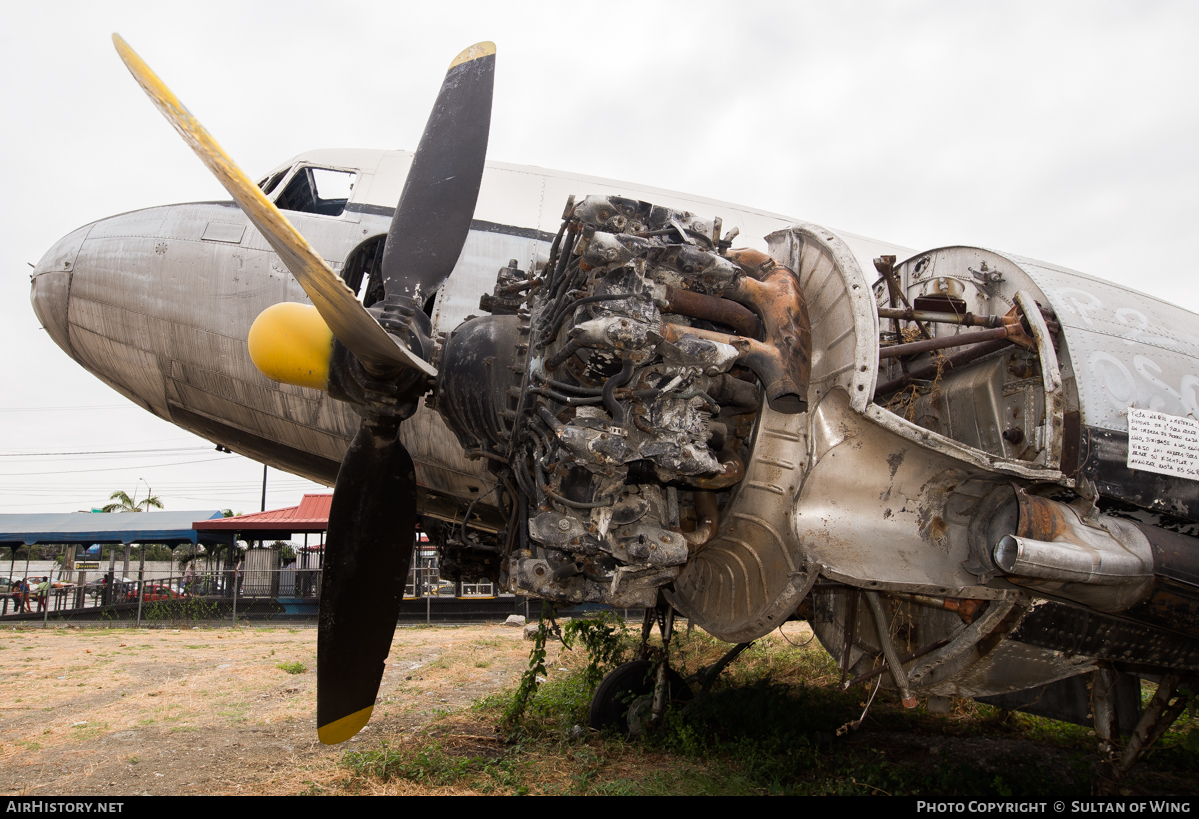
223,232
1128,348
49,294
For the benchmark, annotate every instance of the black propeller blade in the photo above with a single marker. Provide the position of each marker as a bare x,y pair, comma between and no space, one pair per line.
431,222
372,522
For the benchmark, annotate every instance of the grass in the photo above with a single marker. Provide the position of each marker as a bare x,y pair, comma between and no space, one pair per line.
90,730
776,723
292,668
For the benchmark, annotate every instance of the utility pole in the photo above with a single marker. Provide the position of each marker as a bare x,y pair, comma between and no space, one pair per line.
263,509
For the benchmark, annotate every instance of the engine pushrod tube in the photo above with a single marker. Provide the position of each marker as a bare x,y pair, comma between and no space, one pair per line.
928,345
966,320
976,352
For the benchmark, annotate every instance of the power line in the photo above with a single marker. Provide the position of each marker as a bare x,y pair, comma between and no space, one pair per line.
69,409
110,468
104,452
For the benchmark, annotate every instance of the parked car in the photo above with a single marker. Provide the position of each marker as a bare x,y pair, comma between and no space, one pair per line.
94,588
156,592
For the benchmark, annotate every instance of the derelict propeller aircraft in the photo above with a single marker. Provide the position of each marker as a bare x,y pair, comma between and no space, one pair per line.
974,474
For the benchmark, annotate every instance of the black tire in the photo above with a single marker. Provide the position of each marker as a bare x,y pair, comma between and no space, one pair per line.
623,685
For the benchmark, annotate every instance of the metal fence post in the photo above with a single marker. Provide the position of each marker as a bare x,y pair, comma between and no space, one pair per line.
141,583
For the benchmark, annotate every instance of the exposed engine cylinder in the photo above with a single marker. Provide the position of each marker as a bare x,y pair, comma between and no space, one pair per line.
620,405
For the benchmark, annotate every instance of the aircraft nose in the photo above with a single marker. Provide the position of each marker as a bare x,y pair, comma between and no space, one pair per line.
51,286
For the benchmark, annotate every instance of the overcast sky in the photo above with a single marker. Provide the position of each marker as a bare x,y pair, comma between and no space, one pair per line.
1062,131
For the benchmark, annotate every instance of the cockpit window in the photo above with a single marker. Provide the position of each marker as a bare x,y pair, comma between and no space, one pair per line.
317,190
269,183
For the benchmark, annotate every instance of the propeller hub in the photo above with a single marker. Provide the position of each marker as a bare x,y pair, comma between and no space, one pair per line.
290,342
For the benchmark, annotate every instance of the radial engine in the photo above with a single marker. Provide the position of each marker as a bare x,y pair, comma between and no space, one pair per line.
620,405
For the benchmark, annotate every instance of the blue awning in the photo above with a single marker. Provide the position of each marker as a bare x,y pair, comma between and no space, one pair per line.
112,527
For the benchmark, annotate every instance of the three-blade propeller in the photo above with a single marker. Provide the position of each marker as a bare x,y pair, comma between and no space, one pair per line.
372,520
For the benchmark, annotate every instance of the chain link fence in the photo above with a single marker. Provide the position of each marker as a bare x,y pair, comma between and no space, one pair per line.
249,592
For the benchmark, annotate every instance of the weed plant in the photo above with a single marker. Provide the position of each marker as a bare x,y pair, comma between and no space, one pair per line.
777,722
187,609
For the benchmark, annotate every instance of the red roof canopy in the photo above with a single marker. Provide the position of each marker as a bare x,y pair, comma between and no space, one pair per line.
312,515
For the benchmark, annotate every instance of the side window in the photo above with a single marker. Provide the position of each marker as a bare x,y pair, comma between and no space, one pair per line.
269,183
317,190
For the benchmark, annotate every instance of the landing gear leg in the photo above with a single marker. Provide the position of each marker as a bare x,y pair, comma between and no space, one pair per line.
1163,709
647,627
634,696
661,685
707,676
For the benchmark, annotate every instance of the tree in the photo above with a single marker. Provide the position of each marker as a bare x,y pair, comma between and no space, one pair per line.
124,503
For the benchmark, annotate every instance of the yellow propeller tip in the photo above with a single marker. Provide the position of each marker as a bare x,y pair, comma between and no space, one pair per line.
483,49
340,730
123,48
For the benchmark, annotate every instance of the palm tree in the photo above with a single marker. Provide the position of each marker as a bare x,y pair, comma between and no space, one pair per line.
124,503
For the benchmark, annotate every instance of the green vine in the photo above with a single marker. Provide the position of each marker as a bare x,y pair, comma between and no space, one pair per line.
603,637
528,680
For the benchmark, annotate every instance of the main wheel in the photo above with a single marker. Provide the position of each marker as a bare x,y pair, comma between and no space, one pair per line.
624,685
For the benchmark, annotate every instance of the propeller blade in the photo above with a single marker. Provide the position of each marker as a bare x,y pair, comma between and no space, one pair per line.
347,318
372,526
433,216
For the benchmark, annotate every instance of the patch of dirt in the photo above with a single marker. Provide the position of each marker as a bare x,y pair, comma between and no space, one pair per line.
989,754
94,711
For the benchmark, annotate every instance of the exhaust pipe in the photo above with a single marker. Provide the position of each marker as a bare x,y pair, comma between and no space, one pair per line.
1110,564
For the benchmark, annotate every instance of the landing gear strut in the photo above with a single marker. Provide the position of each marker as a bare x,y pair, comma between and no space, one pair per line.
635,695
1165,707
